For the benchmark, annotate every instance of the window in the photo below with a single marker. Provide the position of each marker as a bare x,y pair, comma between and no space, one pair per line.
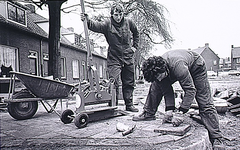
214,62
238,60
75,66
9,57
33,67
77,39
45,64
63,68
16,14
83,70
100,71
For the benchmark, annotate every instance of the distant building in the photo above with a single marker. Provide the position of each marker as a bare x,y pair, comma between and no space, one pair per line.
235,58
225,64
211,59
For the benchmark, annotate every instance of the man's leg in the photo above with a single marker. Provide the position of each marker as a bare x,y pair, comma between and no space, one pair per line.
153,100
114,71
128,83
207,110
204,99
156,92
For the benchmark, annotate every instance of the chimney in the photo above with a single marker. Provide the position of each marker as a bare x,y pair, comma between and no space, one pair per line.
31,7
206,44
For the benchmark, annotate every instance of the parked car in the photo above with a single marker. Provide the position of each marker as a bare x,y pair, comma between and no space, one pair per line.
211,73
234,72
222,73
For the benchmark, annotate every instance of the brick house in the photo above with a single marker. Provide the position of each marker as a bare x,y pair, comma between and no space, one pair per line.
24,45
235,58
211,59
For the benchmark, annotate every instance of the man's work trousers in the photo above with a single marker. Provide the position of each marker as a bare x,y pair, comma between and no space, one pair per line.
123,74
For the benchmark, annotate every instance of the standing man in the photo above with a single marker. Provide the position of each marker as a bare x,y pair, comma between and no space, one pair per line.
189,69
118,32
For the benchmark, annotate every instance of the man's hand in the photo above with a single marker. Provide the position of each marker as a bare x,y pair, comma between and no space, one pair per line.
178,119
168,117
83,16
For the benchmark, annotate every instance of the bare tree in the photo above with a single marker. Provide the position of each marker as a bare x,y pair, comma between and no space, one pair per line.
147,14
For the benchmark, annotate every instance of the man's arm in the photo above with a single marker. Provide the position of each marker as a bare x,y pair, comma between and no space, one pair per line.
95,26
185,79
135,33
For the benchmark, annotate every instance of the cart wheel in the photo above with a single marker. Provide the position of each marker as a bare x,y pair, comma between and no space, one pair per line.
22,110
67,116
81,120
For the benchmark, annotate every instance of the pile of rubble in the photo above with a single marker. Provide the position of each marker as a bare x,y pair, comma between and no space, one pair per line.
229,100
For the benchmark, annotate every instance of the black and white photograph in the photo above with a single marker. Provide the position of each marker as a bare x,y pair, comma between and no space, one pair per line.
119,75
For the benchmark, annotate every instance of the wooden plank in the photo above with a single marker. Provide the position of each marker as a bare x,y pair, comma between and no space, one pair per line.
237,110
170,129
234,100
234,106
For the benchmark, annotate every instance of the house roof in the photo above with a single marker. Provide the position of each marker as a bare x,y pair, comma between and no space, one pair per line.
200,50
32,20
32,27
235,52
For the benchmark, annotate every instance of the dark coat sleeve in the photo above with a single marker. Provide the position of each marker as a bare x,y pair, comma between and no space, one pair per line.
185,79
135,33
99,27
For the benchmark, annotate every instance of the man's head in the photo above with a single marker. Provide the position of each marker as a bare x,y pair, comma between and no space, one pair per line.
117,12
154,68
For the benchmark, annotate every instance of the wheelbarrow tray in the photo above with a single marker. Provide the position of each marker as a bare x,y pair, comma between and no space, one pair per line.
43,87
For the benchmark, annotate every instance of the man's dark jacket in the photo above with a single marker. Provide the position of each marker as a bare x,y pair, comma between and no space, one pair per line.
120,37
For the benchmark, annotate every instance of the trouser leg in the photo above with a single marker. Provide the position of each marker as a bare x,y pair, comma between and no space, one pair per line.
156,92
128,84
154,98
207,109
114,71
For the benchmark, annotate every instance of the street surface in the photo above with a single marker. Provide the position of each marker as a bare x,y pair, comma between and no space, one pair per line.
46,131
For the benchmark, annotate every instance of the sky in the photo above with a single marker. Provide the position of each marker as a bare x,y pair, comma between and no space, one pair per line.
192,22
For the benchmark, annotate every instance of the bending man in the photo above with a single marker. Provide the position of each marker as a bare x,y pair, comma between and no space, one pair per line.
189,69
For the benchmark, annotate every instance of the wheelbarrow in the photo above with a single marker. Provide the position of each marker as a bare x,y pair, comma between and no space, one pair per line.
23,104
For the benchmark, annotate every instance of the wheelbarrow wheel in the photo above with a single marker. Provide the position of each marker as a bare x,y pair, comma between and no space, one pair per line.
67,116
22,110
81,120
